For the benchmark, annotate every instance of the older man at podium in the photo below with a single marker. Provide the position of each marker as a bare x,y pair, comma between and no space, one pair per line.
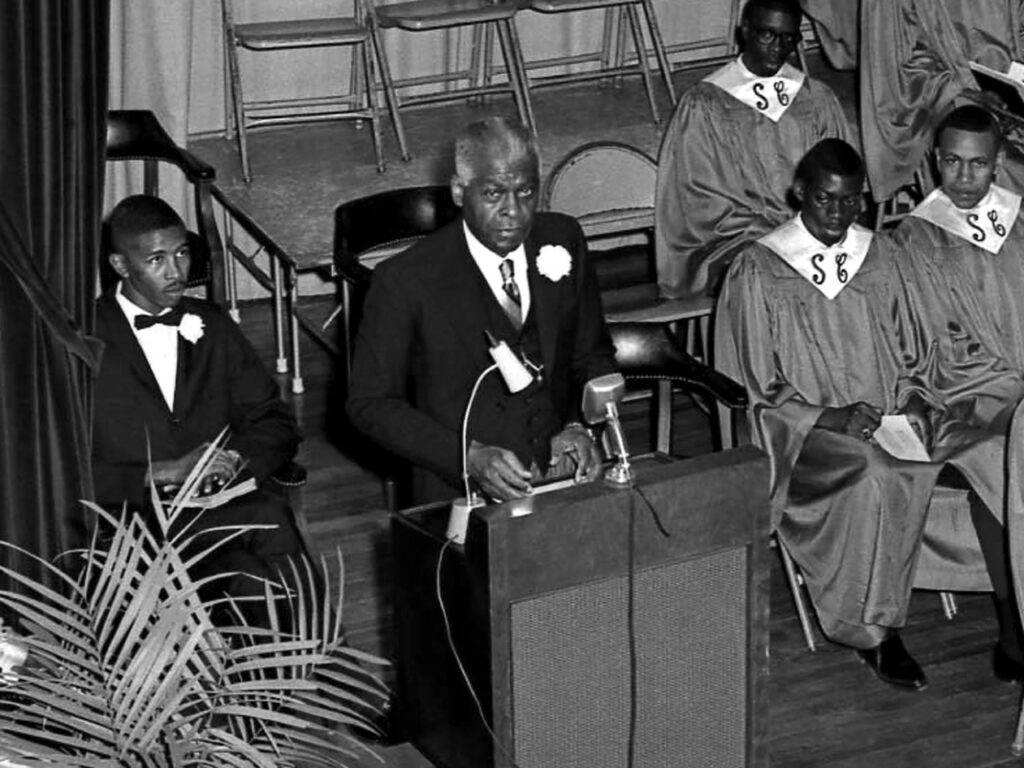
503,269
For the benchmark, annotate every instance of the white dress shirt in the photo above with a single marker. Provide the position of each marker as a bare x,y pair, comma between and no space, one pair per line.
159,344
489,264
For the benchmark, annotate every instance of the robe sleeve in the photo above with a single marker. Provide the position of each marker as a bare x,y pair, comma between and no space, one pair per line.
947,359
703,198
744,349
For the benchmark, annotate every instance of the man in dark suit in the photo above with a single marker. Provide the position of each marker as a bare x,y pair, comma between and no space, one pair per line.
502,268
175,372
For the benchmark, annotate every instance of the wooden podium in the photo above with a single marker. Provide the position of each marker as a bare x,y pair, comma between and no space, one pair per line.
586,632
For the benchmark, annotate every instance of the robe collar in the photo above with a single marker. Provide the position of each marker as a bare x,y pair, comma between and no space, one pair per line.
986,225
829,268
770,96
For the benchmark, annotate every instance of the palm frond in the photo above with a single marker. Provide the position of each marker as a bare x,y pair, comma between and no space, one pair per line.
126,667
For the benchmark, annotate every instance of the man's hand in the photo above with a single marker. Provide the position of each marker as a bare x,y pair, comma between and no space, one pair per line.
916,411
574,449
858,420
170,474
498,471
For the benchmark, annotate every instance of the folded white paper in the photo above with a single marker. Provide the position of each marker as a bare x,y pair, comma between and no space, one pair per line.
895,436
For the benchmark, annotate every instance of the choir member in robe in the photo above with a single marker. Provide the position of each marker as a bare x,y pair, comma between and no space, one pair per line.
811,319
727,157
914,67
961,258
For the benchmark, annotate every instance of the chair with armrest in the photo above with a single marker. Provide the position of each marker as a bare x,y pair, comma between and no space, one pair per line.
370,229
136,134
649,354
609,187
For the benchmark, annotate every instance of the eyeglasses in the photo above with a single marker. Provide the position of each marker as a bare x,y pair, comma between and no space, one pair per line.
767,36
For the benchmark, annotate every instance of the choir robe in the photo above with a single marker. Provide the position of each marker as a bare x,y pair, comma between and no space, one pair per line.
967,302
724,173
837,25
851,515
914,65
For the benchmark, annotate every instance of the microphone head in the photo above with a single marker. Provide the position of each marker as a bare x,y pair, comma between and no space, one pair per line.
516,377
600,391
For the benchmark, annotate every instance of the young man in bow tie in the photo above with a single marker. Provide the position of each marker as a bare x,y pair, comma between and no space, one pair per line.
501,268
812,321
728,154
175,372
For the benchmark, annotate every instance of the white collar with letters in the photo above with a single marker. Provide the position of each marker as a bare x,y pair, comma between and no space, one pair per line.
986,225
771,96
829,268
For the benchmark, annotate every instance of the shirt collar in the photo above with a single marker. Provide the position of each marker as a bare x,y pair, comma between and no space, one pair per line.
487,260
130,308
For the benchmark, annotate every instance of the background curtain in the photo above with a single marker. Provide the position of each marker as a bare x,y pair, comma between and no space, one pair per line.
53,88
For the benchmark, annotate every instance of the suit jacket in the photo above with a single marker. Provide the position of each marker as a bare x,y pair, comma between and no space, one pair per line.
220,382
421,345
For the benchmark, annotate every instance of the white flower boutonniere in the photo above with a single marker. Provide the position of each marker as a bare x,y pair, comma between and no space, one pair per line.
554,262
191,327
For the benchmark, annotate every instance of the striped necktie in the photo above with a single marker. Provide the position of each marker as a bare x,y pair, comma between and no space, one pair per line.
514,310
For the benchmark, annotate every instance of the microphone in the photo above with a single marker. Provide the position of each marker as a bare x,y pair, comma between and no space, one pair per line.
517,378
601,396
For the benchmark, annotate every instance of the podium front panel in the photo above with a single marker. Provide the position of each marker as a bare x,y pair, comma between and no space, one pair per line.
543,605
571,669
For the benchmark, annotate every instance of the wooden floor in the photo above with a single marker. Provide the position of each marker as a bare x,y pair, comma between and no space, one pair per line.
826,709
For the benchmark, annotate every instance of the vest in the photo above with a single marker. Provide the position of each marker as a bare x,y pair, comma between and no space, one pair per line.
523,422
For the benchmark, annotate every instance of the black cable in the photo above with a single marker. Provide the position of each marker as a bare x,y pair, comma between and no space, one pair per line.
654,512
458,660
631,632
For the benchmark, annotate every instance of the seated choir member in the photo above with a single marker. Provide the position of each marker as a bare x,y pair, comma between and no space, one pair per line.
811,320
914,65
502,268
175,371
961,257
728,154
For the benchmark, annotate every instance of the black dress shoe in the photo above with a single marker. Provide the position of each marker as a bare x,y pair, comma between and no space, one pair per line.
1005,668
892,664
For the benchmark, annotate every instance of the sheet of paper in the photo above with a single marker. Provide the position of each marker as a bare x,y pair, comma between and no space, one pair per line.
223,496
895,436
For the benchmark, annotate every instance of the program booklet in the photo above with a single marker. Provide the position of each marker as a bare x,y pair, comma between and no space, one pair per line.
1009,86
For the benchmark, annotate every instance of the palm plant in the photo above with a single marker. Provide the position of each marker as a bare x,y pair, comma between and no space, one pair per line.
126,668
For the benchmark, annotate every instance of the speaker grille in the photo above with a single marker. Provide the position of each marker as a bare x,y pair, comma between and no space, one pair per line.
570,669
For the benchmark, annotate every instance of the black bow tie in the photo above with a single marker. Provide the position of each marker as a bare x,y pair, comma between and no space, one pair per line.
168,318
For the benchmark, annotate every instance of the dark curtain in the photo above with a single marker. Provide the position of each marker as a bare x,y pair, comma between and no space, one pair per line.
53,102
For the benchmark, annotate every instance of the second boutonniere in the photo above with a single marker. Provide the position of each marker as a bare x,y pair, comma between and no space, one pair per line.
554,262
191,327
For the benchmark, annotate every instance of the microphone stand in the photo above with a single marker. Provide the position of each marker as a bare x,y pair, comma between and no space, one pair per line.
516,378
619,473
458,520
